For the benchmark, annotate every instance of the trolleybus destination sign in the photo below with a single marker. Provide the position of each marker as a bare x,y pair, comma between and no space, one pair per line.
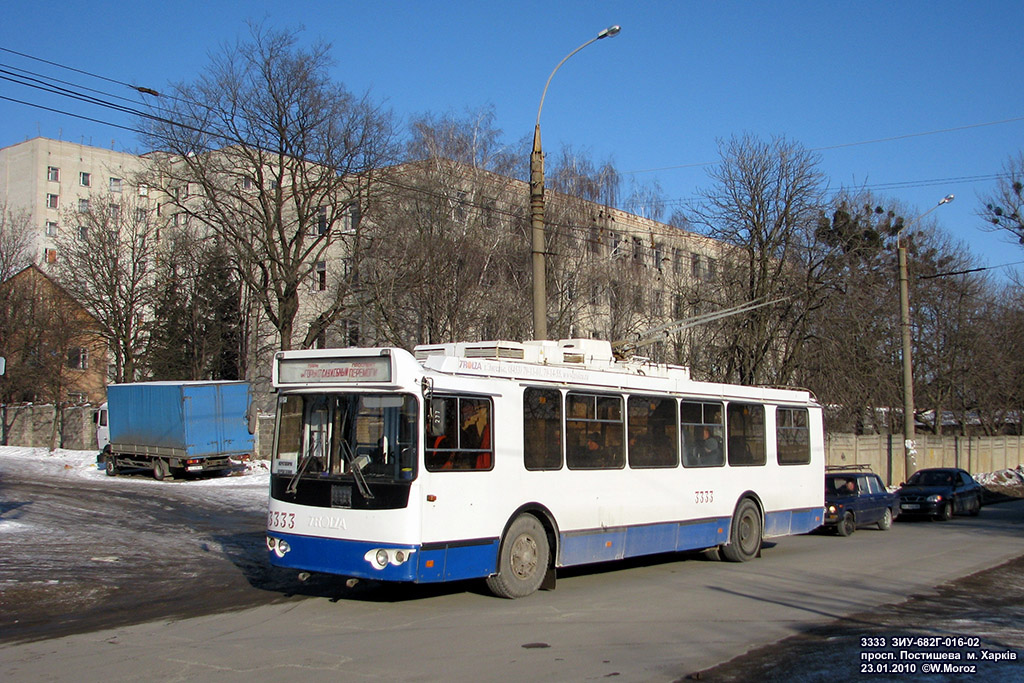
334,370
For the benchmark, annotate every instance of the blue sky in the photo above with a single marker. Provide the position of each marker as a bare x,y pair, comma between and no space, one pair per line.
929,87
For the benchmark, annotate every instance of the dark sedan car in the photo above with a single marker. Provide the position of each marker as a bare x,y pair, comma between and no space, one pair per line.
857,499
940,492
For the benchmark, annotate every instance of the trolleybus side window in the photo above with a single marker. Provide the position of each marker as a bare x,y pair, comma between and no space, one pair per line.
703,434
652,432
458,434
746,443
542,429
793,436
593,432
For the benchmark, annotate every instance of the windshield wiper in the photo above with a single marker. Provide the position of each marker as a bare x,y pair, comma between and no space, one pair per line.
356,465
293,484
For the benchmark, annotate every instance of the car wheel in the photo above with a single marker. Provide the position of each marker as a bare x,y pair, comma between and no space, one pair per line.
975,507
745,537
846,525
947,511
523,559
886,522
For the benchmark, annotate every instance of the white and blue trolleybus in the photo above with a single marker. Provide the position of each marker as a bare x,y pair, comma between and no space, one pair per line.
507,460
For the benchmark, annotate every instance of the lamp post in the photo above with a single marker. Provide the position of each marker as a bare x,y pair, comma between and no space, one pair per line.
540,317
910,452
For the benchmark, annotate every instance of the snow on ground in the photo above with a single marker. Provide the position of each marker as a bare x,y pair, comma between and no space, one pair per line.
249,486
83,464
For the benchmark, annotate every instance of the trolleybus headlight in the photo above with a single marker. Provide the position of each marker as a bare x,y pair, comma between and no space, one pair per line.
278,546
379,558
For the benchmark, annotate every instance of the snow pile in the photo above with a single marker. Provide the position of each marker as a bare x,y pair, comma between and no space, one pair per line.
1005,482
82,464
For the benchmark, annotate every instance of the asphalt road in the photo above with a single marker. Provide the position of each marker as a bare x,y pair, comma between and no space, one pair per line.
169,582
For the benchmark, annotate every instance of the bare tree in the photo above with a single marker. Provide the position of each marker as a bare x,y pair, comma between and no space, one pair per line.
106,263
15,240
1004,207
450,250
765,205
274,158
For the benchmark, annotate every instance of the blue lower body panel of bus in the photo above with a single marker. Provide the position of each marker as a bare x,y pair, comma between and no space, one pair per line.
429,563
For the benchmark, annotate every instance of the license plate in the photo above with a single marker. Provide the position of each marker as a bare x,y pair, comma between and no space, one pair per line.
194,468
910,506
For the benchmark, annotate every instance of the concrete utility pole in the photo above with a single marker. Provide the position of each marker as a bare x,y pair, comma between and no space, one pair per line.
540,305
909,445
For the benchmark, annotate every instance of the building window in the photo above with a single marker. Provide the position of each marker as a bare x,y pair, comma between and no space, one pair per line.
321,276
53,174
83,206
52,201
697,269
78,358
321,220
143,190
50,255
85,179
115,211
115,184
83,232
51,229
77,398
141,215
246,183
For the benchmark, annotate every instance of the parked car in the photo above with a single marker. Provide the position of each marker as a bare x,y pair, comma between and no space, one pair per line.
940,492
858,498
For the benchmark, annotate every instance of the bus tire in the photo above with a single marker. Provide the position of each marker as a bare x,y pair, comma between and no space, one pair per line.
745,533
522,559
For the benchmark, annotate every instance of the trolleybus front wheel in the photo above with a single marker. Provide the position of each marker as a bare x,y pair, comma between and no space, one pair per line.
522,559
745,533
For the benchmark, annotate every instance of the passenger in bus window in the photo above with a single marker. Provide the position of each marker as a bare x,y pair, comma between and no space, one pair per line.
709,447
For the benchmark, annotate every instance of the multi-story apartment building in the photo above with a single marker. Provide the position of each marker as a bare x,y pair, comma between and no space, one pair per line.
51,178
613,274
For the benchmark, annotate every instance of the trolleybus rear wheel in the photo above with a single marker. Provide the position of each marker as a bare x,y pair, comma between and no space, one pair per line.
522,559
745,537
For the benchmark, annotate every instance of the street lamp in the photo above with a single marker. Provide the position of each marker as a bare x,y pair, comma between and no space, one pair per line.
540,318
910,451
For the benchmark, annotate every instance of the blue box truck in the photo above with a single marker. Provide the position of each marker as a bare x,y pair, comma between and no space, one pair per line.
176,428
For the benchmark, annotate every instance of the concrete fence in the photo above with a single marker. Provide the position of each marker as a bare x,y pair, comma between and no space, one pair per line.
32,425
886,455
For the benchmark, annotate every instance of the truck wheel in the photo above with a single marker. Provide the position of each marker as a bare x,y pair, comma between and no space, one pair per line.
160,469
522,559
745,533
110,465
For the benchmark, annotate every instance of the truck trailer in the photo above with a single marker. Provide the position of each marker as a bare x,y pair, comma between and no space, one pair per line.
176,428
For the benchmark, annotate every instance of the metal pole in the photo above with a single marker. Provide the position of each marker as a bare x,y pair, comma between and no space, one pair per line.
540,303
540,306
909,443
910,452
